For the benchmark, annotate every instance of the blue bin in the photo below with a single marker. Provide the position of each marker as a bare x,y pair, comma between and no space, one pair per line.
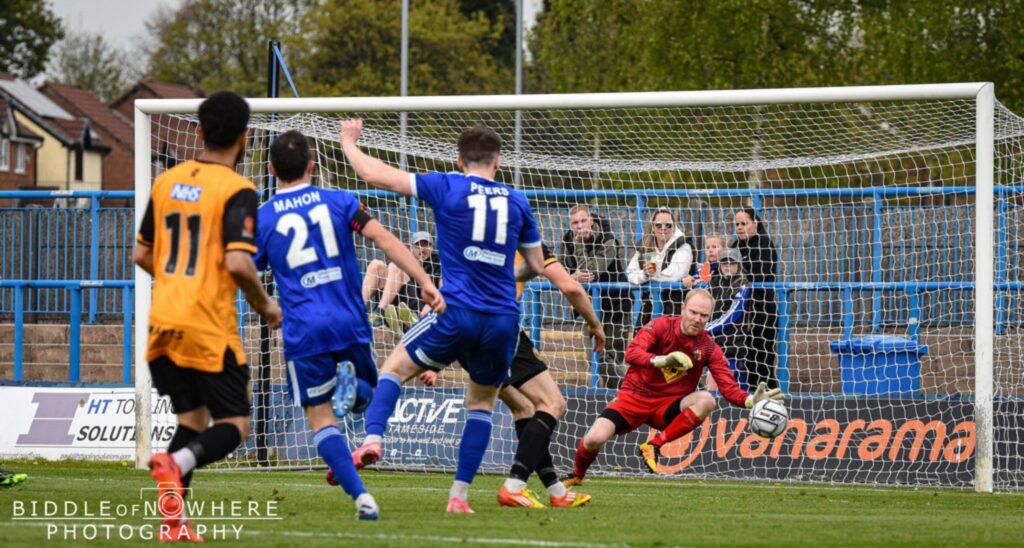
880,365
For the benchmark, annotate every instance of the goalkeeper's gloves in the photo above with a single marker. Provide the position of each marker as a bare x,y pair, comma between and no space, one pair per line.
673,360
762,393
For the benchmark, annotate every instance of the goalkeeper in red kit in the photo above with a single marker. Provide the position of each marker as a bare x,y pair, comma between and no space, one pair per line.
666,360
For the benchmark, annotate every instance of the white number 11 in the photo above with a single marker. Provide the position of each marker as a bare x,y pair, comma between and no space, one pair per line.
478,202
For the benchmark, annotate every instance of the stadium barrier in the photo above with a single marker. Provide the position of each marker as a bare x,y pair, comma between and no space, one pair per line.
93,244
47,235
76,288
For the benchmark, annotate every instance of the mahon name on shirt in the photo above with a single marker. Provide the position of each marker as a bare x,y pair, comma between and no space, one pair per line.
292,202
488,189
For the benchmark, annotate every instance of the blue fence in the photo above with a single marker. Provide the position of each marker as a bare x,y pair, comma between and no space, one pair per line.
76,288
869,260
42,242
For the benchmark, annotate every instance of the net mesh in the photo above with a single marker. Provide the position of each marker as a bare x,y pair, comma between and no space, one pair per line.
865,316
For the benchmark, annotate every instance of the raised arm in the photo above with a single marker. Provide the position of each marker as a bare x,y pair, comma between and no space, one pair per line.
370,169
398,254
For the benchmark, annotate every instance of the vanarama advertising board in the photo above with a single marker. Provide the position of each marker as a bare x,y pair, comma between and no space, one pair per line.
890,441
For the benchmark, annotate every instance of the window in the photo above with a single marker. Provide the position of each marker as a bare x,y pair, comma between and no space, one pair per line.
79,163
5,155
21,159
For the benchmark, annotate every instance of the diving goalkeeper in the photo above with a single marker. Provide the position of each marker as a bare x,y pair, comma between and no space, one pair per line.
666,360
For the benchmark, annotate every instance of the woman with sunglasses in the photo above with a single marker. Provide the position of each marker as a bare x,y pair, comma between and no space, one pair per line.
663,255
759,264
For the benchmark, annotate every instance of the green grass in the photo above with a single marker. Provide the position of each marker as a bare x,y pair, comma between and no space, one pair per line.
634,512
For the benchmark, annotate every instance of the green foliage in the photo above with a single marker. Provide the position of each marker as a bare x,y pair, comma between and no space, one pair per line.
221,44
28,29
91,62
623,45
356,47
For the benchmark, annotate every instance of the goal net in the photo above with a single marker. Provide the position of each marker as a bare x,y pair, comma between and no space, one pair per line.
879,208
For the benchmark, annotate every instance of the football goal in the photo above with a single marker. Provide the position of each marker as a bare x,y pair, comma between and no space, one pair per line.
885,300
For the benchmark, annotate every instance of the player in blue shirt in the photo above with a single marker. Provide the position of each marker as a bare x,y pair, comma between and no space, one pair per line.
481,224
305,236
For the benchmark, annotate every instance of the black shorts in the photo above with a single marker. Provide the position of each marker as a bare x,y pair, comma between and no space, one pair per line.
225,394
410,295
527,362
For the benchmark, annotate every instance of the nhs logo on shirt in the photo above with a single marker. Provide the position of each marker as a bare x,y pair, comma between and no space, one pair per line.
186,193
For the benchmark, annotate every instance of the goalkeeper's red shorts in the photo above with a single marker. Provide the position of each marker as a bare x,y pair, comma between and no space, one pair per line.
630,410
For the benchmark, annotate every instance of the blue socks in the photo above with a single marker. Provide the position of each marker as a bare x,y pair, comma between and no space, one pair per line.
475,437
389,387
334,450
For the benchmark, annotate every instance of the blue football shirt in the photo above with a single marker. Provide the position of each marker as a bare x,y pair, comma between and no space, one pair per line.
480,225
305,236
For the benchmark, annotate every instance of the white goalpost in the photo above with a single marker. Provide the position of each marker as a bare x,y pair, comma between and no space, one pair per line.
892,317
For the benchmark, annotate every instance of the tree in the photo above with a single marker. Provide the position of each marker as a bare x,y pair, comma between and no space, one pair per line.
221,44
28,29
356,45
88,61
675,45
623,45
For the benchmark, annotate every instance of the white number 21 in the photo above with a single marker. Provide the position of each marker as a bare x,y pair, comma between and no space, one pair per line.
478,202
298,253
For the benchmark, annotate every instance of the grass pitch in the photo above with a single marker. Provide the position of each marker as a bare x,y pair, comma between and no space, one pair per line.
625,512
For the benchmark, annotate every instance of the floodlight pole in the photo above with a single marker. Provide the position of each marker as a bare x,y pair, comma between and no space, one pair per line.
518,177
404,84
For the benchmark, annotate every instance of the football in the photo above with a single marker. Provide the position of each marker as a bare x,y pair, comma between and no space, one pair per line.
768,418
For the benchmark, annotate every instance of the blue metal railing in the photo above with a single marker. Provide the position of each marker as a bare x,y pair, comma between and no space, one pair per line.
783,290
895,264
76,287
67,243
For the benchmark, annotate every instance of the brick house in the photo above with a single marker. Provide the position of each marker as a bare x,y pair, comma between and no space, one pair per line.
113,128
70,156
170,137
18,145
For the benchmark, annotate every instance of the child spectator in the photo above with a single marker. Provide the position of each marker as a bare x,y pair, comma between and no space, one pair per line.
731,291
713,245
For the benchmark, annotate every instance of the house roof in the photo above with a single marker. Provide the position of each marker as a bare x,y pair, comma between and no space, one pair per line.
75,130
33,99
160,90
21,130
83,103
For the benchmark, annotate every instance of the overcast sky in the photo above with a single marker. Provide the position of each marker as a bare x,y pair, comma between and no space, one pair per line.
119,20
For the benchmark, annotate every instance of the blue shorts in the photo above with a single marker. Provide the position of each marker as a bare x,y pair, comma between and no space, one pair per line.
311,380
483,343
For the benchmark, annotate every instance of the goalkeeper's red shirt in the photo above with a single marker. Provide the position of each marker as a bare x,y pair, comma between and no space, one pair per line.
658,338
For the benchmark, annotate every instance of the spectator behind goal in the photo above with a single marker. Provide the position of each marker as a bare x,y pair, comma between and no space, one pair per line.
593,254
663,255
731,291
400,302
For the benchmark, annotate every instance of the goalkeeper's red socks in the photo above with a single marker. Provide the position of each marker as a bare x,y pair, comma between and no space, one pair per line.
683,424
584,458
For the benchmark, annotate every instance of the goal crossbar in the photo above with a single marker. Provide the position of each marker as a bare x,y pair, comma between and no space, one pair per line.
981,92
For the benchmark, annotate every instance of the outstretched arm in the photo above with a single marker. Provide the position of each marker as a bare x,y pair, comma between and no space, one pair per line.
579,300
398,254
372,170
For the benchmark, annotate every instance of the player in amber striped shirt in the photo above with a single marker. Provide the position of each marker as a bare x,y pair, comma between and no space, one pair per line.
196,240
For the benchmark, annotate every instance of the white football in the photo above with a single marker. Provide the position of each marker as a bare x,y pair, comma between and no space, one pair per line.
768,418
